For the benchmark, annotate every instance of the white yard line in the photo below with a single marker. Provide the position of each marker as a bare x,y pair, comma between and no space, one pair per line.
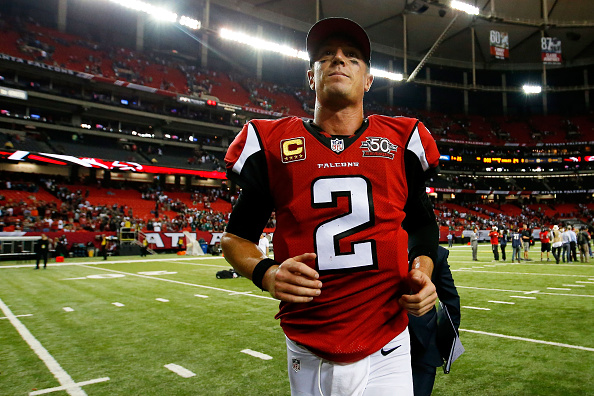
558,288
162,299
117,304
526,297
530,340
54,367
525,273
179,370
17,316
259,355
525,292
83,263
479,308
65,388
501,302
184,283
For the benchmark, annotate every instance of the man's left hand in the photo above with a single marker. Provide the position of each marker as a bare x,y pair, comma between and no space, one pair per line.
423,300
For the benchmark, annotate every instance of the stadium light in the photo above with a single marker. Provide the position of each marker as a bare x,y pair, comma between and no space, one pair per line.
467,8
532,89
159,13
282,49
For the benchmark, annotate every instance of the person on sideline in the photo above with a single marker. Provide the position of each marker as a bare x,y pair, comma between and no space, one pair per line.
425,356
526,236
494,235
566,243
450,239
42,250
474,243
557,243
545,243
503,237
346,191
264,244
583,238
572,243
104,247
516,241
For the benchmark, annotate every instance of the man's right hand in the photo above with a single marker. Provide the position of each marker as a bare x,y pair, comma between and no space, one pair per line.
293,280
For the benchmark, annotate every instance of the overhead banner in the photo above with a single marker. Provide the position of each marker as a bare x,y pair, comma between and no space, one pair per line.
551,50
499,42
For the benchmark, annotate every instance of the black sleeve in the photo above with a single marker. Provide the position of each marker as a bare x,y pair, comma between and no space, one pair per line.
250,215
445,287
420,222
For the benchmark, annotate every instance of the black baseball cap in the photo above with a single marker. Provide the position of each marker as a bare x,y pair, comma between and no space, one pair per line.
342,27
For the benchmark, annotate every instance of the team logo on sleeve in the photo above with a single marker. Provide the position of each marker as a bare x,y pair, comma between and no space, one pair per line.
292,149
378,147
296,363
337,145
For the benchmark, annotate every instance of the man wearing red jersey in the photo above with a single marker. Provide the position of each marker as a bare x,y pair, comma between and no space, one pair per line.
494,234
351,212
545,243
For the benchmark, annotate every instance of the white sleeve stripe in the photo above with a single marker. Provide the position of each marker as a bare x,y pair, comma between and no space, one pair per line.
252,145
416,146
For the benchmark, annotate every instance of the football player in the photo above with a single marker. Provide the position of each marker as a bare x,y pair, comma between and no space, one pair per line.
352,211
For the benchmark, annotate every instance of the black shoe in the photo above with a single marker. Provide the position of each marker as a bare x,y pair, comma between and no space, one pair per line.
36,268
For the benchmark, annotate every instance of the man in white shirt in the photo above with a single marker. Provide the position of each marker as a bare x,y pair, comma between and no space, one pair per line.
263,244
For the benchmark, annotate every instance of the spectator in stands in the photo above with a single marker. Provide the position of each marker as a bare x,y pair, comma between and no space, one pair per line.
566,255
42,250
474,243
545,243
526,237
572,243
494,235
516,239
583,239
557,243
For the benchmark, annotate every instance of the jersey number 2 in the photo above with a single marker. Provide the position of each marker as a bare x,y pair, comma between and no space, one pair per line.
327,235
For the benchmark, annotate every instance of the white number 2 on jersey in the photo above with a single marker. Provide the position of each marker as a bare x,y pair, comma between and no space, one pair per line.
327,235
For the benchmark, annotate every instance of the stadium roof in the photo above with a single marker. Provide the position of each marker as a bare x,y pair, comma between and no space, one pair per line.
572,21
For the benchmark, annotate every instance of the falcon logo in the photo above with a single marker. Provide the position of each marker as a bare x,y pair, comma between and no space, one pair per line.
292,150
378,147
296,363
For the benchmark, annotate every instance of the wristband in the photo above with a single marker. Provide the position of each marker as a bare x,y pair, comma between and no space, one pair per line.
260,270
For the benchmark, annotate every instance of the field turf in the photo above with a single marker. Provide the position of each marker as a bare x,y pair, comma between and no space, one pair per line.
110,328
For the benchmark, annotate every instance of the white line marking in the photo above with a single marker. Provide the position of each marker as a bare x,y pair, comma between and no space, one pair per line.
530,340
83,263
557,288
68,309
526,297
200,295
162,299
117,304
234,293
525,273
84,277
481,309
179,370
59,388
574,285
17,316
461,269
54,367
259,355
591,283
487,265
185,283
526,292
477,267
501,302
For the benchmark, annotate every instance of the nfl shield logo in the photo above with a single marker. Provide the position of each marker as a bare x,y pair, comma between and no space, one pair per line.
296,364
337,145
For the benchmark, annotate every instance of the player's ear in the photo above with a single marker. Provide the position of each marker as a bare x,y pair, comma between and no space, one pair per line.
311,79
368,82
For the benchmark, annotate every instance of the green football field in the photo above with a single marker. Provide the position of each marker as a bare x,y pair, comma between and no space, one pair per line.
165,325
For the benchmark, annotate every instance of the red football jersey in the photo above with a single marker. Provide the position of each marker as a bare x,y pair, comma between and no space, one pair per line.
342,198
544,237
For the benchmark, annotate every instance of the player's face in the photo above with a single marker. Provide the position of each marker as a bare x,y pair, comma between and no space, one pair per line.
339,74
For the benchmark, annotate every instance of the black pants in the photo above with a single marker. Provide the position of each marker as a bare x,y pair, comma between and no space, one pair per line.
495,251
423,379
104,252
557,253
143,251
503,252
39,257
573,251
